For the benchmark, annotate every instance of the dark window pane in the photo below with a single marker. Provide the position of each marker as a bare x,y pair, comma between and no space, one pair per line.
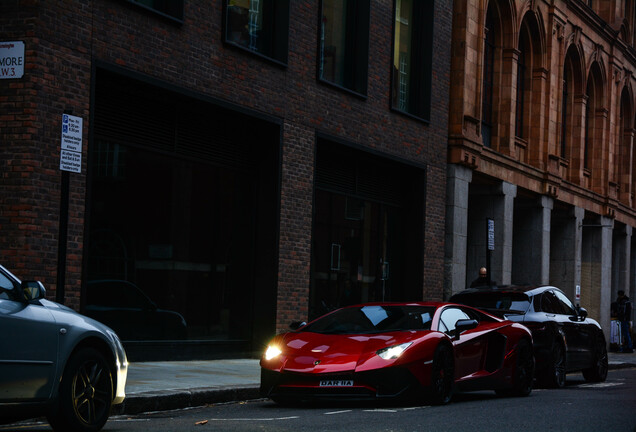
521,80
173,8
260,26
344,43
488,80
412,41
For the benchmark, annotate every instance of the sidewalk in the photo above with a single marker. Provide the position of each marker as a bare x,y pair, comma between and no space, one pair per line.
159,386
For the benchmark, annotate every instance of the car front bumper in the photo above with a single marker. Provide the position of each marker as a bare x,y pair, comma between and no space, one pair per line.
387,383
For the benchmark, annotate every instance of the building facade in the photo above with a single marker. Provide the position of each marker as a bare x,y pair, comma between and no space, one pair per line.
541,147
241,164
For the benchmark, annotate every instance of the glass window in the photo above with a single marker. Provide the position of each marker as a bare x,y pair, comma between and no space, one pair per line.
521,83
260,26
494,300
344,44
5,282
549,303
412,40
450,316
565,305
373,319
488,80
171,8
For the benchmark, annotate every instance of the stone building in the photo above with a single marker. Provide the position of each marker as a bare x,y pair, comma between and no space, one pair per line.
240,163
541,143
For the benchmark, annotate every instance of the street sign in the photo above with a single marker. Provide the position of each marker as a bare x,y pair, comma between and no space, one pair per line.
491,234
71,146
11,59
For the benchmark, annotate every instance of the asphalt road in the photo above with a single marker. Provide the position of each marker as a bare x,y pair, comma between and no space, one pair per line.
608,406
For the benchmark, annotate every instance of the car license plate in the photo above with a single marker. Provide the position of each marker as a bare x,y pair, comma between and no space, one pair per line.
336,383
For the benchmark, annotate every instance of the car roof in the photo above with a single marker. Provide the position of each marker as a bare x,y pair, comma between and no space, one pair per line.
529,290
435,304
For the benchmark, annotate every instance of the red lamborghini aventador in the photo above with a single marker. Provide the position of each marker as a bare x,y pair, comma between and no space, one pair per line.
395,350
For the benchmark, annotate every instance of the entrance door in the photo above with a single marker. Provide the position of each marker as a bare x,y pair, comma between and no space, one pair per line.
356,256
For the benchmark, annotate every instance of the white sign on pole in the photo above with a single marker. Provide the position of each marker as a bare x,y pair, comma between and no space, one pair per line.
11,59
71,147
491,235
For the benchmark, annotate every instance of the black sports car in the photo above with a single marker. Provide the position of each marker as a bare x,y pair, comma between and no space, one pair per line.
565,339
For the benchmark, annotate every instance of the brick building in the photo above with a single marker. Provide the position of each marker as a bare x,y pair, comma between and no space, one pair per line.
541,142
244,163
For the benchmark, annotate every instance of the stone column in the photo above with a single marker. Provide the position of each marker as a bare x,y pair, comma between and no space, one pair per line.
621,260
565,251
596,270
503,212
607,226
457,181
531,256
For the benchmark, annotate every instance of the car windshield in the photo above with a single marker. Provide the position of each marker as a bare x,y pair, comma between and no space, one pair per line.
373,319
511,301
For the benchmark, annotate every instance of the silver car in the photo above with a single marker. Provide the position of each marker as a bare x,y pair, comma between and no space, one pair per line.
55,362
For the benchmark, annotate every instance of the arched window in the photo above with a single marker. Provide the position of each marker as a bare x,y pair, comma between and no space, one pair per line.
595,164
565,103
589,124
625,139
488,80
522,76
573,106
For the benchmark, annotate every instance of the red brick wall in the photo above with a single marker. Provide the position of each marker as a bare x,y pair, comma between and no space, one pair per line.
64,38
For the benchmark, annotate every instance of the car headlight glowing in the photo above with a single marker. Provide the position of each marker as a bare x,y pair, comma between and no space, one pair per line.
272,352
391,353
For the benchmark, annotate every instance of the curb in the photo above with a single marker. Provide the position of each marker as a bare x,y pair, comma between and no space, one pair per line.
179,399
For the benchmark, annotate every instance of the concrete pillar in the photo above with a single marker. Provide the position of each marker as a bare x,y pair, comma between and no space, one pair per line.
503,213
457,186
531,251
565,250
596,270
607,226
621,259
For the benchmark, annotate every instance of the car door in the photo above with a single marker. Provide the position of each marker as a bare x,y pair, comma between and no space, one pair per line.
559,317
28,348
578,333
469,348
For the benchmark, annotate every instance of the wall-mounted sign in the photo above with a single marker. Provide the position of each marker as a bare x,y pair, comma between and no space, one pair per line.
71,148
11,59
491,235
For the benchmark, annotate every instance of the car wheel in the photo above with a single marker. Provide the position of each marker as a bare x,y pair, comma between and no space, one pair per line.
524,371
85,395
555,375
442,375
598,371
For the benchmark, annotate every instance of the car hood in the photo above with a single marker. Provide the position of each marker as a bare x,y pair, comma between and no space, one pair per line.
65,315
323,353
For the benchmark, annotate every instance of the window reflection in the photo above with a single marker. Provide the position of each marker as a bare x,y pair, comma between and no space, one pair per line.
412,61
260,26
344,40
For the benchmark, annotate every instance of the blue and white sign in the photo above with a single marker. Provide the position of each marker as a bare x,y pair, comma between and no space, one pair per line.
11,59
71,147
491,235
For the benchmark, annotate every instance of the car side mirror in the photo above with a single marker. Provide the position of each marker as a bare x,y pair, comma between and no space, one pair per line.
463,325
581,312
297,324
32,290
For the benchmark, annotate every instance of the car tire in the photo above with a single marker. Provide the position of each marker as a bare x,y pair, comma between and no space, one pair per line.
598,371
442,375
524,371
556,373
85,394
